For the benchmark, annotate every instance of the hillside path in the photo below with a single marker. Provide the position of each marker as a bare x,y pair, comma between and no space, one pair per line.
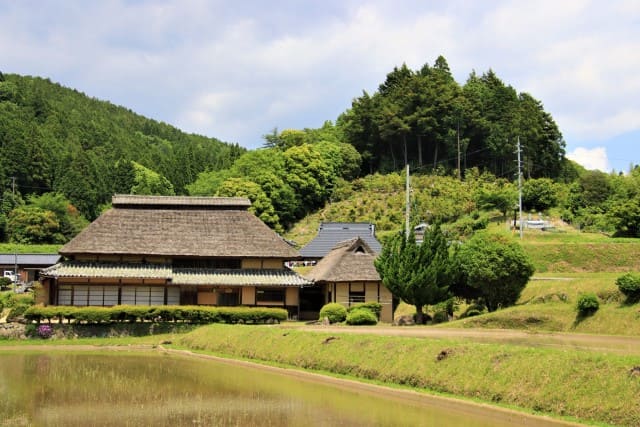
629,345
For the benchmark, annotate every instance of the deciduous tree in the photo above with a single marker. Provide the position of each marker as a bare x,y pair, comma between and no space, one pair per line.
491,268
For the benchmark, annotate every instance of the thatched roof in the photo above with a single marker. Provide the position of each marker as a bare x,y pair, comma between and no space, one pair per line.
332,233
176,276
182,202
180,227
348,261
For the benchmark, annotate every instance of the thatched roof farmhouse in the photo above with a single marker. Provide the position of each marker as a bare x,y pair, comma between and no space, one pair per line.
176,250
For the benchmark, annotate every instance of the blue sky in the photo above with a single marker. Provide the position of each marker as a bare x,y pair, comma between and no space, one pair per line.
236,70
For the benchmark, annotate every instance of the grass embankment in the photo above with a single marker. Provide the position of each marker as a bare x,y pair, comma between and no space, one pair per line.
549,304
570,263
10,248
589,386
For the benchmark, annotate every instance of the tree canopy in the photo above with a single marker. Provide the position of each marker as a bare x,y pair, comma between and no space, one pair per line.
417,273
425,118
493,269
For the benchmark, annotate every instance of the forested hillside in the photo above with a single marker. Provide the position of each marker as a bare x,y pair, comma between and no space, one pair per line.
55,139
64,154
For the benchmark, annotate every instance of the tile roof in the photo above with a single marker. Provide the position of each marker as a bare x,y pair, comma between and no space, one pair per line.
167,228
349,261
239,277
108,270
24,260
331,233
177,276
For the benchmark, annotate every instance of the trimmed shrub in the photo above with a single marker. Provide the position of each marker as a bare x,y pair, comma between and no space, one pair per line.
93,315
333,311
124,313
629,285
374,307
587,304
361,316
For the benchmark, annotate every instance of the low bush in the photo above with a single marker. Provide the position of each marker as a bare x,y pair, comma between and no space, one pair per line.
10,299
587,304
361,316
471,313
374,307
5,283
629,285
473,310
44,331
17,312
125,313
333,311
440,317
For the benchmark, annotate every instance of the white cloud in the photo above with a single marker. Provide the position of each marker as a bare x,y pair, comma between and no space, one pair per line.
591,158
237,71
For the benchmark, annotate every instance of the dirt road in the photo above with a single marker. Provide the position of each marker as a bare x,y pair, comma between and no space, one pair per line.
602,343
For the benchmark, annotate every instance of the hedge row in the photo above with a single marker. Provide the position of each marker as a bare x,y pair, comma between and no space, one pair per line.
163,313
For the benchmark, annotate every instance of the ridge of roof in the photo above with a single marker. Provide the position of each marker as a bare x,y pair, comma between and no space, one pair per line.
128,200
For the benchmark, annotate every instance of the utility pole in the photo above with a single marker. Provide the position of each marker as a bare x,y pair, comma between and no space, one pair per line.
407,209
520,187
15,248
459,171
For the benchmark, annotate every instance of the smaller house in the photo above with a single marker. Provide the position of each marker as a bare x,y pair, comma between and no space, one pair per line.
332,233
348,276
27,266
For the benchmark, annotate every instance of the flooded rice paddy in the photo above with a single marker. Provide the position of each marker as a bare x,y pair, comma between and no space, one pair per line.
144,388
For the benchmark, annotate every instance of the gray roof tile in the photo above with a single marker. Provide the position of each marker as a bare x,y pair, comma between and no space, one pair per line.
332,233
24,260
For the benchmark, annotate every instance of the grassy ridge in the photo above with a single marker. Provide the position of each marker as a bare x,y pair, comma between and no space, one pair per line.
548,304
581,253
589,386
10,248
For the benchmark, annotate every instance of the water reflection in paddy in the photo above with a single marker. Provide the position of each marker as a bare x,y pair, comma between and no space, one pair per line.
134,389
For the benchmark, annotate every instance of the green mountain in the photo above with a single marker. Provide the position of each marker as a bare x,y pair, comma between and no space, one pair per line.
56,139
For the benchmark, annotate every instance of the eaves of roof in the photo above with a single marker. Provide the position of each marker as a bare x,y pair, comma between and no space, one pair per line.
177,276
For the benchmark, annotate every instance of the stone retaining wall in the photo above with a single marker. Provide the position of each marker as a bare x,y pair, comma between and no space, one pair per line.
12,330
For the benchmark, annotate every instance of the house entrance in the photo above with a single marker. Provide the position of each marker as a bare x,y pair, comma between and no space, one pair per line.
229,297
312,299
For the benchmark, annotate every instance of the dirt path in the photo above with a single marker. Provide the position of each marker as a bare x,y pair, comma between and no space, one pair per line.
602,343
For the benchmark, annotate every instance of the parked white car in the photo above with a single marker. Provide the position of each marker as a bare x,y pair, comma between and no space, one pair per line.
9,274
